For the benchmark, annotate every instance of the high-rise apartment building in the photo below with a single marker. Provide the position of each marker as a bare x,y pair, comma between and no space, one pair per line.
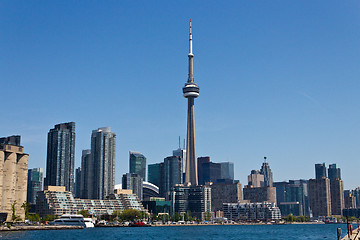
337,196
137,163
61,156
86,177
134,182
320,197
268,176
103,143
13,176
320,170
34,184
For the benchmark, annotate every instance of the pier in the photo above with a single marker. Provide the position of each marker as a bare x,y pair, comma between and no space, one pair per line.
355,235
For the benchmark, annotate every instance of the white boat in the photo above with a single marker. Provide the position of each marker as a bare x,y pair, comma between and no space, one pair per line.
74,220
89,222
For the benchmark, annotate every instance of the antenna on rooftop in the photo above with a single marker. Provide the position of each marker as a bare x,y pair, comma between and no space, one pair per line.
179,142
265,159
184,143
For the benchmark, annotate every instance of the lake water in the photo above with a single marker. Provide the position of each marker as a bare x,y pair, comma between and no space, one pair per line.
298,231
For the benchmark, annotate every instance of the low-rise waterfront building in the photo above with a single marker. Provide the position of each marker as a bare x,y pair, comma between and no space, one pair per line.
264,211
54,200
156,205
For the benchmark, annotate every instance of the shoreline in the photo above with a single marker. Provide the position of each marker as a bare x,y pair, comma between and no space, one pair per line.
38,227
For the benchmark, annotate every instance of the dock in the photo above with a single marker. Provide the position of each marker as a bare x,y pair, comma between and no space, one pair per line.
355,235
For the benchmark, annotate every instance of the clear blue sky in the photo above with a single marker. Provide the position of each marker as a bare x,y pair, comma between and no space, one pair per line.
277,79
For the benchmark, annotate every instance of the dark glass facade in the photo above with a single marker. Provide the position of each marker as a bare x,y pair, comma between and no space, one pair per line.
61,156
34,184
137,163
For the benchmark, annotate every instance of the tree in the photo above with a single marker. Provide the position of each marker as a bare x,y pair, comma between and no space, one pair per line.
207,216
26,207
177,217
85,213
116,215
49,218
130,214
34,217
14,217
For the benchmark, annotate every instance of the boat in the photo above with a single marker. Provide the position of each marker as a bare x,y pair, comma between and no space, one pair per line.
73,220
139,224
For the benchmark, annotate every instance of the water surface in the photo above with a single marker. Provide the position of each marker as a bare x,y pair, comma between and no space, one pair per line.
296,231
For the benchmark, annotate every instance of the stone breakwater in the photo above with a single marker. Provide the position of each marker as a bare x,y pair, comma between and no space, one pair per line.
41,227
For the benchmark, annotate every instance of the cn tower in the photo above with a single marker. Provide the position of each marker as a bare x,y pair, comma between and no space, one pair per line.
191,91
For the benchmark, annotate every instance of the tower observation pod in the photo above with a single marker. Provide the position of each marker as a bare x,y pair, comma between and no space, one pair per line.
191,91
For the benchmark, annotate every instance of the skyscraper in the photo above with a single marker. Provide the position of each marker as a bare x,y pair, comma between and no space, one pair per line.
256,179
191,91
34,184
320,170
61,156
103,162
77,188
86,177
154,173
134,182
200,162
210,172
266,171
137,163
337,196
227,170
334,172
180,152
172,175
320,196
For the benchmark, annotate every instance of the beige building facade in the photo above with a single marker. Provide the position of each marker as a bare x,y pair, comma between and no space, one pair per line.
337,197
13,179
320,196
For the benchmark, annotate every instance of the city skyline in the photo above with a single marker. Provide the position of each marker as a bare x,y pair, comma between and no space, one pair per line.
291,81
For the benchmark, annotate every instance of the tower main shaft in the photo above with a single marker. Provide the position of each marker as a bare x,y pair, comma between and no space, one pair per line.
191,91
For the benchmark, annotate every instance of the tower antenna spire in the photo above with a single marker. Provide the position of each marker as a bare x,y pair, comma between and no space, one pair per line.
179,142
190,55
